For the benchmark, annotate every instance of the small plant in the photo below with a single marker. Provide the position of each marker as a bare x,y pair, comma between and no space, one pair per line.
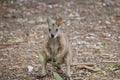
15,40
99,70
41,57
57,76
114,67
54,73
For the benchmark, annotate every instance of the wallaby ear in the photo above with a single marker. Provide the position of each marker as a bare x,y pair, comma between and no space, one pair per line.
48,21
59,21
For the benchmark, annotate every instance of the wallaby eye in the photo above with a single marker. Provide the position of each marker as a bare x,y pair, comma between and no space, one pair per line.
49,30
56,30
53,24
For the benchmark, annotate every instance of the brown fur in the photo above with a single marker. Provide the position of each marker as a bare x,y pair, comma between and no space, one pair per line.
56,48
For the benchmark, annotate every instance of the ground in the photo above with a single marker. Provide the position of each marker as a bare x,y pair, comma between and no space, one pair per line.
92,26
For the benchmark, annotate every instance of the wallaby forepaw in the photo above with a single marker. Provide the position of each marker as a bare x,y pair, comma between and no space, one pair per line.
69,74
40,76
43,74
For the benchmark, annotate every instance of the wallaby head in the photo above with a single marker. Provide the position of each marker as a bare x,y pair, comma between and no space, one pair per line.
54,27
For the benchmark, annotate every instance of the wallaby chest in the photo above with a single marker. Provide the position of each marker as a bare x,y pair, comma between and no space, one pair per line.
54,45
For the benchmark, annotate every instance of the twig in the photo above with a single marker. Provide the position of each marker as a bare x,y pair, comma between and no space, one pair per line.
110,61
88,68
83,64
4,45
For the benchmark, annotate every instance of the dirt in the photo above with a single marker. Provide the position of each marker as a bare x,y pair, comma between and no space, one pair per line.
92,26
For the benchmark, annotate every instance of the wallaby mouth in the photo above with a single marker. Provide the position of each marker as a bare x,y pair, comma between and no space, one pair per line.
52,36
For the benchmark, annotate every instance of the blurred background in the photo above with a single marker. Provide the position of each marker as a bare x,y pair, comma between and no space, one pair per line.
93,28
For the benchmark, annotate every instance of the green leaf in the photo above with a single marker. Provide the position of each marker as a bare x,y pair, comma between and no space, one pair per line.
57,76
95,78
98,70
57,64
22,20
15,40
114,67
110,66
41,57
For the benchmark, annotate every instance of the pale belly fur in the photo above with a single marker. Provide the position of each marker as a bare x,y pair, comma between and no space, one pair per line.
54,46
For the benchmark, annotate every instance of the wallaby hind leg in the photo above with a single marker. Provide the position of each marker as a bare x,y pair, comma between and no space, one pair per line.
67,62
44,67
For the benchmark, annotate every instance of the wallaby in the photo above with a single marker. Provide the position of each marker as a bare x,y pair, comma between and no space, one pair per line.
56,47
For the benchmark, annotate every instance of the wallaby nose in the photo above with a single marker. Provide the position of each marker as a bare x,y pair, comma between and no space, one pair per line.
52,35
